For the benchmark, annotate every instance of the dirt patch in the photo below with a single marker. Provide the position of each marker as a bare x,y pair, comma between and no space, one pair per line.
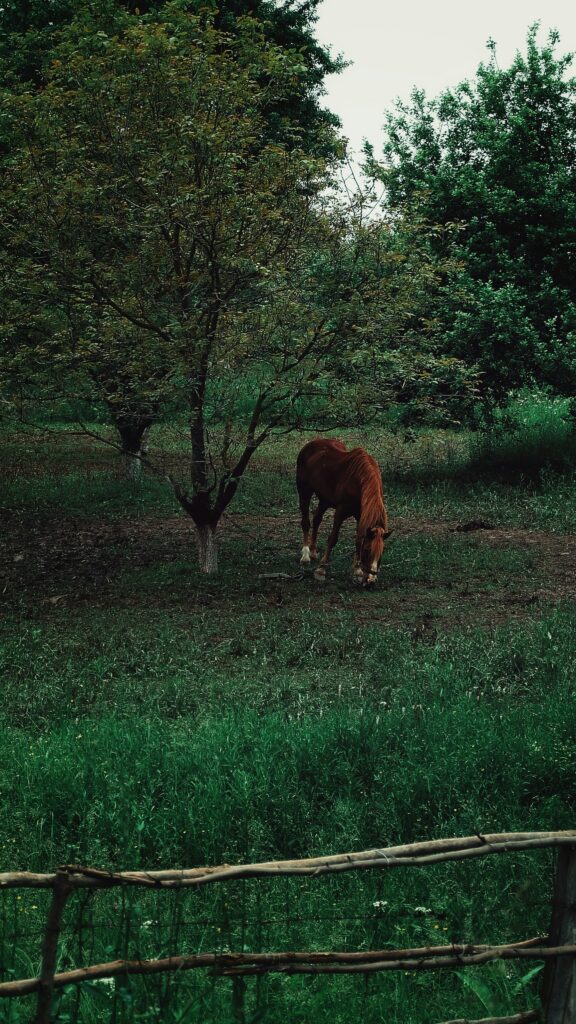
47,564
555,552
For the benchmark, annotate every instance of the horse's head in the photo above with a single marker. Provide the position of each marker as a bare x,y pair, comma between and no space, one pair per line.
371,551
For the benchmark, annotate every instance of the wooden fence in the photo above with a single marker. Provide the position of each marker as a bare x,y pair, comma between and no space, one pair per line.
557,949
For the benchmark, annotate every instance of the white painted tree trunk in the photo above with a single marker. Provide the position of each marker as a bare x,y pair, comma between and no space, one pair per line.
133,467
207,549
132,461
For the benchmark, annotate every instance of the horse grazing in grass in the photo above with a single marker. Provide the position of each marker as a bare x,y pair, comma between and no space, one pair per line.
350,483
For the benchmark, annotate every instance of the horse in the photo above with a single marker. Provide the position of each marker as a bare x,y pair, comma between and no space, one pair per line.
351,484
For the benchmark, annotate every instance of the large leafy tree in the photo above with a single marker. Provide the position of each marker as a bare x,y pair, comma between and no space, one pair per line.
30,31
143,203
30,37
496,157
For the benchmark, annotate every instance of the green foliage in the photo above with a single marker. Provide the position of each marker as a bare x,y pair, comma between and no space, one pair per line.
495,157
140,175
130,372
530,436
30,33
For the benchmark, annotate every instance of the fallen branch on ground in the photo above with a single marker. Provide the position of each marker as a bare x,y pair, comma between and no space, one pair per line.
281,576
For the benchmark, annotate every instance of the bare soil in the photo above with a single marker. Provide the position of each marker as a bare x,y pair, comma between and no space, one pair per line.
48,564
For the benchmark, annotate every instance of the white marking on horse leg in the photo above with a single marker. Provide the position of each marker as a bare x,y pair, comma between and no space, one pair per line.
372,575
320,573
305,558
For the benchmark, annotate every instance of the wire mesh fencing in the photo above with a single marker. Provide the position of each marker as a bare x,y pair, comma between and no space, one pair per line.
256,941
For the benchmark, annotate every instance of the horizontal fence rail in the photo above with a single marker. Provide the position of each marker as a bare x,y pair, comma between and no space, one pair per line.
414,854
557,950
431,958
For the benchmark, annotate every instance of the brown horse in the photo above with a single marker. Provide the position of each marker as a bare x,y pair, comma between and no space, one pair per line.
350,483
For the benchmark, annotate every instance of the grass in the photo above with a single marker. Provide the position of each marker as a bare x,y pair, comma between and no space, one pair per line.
141,742
546,503
531,435
522,473
170,666
153,718
149,746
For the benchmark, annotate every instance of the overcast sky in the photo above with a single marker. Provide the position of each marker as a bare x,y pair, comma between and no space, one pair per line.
433,44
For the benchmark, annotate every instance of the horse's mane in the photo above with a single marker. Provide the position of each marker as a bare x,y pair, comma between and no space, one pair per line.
365,468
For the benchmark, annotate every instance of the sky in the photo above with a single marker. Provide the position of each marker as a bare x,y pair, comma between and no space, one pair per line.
432,44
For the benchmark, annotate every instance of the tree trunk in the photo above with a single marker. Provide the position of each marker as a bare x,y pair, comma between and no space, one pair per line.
133,435
133,467
206,520
134,464
207,549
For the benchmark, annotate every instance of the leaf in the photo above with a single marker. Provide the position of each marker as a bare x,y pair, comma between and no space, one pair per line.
481,990
527,978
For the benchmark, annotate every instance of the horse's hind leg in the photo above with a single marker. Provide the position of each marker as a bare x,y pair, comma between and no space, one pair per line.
318,517
305,496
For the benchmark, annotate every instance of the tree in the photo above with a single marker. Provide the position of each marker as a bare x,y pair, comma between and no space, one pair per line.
133,391
142,203
497,158
30,31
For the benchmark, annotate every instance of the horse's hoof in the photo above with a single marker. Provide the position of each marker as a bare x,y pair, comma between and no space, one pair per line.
320,575
305,557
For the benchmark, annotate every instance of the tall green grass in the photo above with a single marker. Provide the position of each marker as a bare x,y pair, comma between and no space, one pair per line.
531,435
148,744
317,735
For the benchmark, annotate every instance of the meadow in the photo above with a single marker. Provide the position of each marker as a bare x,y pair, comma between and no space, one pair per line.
154,718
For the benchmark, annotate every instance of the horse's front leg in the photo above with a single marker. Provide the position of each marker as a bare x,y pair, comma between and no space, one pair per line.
357,571
339,517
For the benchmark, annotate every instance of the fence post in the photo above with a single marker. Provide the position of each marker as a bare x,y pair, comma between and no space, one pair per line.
238,996
60,891
559,981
